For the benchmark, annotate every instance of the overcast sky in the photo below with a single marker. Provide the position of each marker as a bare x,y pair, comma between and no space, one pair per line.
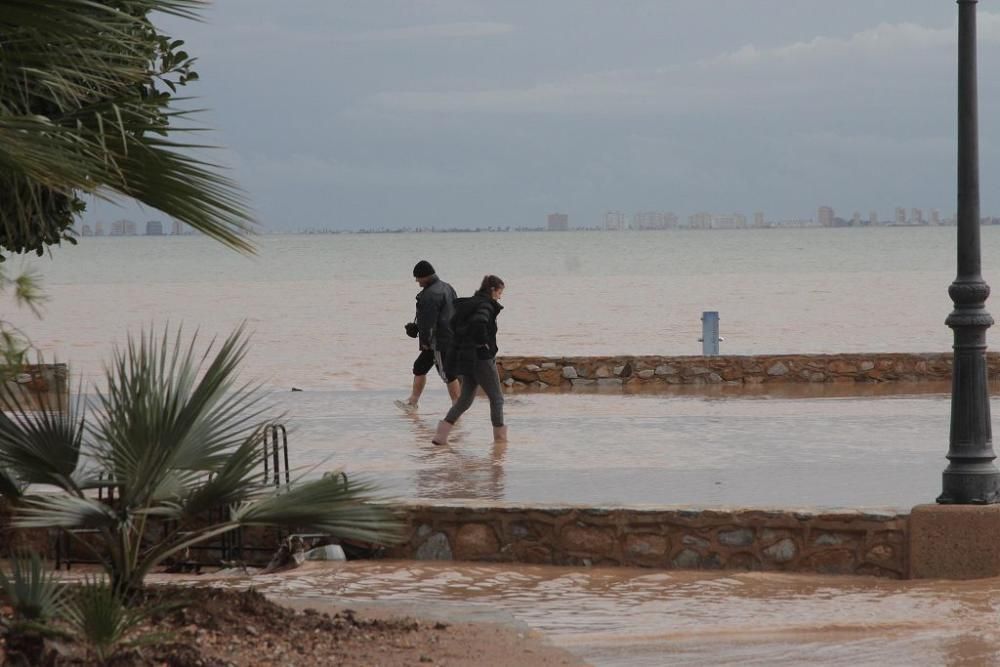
476,113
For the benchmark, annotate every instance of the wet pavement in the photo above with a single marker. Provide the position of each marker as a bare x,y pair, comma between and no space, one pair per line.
827,445
632,617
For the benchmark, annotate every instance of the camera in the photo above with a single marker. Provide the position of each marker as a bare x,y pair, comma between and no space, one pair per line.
411,329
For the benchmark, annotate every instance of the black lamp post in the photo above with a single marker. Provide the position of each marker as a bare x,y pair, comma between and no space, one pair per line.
971,477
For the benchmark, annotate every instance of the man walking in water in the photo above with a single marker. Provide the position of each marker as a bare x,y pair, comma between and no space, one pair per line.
433,330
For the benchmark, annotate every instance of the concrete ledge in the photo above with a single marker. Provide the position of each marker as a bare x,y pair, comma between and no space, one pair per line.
954,541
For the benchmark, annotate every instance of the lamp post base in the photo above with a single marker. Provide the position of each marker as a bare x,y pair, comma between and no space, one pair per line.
970,484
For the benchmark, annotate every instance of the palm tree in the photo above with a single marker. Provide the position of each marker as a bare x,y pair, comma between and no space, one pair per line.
86,88
174,435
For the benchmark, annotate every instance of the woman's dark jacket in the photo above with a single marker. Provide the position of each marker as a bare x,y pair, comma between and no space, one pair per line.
474,331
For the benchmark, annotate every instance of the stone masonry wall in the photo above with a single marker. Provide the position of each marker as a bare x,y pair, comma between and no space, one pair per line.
836,542
572,372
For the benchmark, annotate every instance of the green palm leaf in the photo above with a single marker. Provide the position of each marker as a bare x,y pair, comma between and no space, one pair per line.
86,94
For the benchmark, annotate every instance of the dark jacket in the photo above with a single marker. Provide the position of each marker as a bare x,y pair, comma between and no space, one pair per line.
474,328
434,310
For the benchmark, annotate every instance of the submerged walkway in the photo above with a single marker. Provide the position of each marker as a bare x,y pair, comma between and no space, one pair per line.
820,446
631,617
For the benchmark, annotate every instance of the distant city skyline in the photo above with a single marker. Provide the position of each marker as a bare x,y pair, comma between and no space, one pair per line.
613,220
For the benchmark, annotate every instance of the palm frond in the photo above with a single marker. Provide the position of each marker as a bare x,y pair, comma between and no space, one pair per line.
53,510
40,446
34,593
156,416
83,109
329,505
101,619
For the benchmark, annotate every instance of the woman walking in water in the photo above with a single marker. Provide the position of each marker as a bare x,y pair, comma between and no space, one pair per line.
474,350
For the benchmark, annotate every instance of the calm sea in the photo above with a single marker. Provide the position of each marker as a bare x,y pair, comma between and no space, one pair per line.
327,315
327,311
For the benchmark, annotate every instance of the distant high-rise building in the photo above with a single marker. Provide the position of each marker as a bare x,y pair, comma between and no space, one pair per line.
614,221
700,220
758,219
917,216
99,229
825,216
118,228
558,222
872,218
935,216
654,220
154,228
734,221
900,215
87,231
856,219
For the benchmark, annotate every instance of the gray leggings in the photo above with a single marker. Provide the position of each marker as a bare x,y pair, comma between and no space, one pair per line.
484,375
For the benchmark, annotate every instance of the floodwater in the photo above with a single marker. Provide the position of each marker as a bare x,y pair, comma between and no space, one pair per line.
801,446
622,617
327,313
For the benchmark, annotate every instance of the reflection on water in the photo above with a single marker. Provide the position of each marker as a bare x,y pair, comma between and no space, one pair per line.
633,617
799,447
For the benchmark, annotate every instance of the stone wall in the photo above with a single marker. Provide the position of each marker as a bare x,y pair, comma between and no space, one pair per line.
573,372
866,542
837,542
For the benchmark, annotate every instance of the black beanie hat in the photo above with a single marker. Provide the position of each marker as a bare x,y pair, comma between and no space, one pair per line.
423,269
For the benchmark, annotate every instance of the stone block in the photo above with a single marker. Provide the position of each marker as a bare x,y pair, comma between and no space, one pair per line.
646,374
881,553
954,541
831,561
436,547
534,368
687,559
590,541
842,367
731,373
602,372
737,537
569,372
665,369
475,541
692,541
523,375
777,369
645,548
551,376
782,551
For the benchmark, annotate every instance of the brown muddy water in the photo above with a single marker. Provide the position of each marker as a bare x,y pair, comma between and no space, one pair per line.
631,617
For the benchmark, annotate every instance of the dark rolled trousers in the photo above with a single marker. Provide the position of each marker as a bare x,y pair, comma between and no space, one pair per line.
484,374
436,359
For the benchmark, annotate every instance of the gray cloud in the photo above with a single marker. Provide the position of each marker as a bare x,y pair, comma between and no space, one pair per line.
458,112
